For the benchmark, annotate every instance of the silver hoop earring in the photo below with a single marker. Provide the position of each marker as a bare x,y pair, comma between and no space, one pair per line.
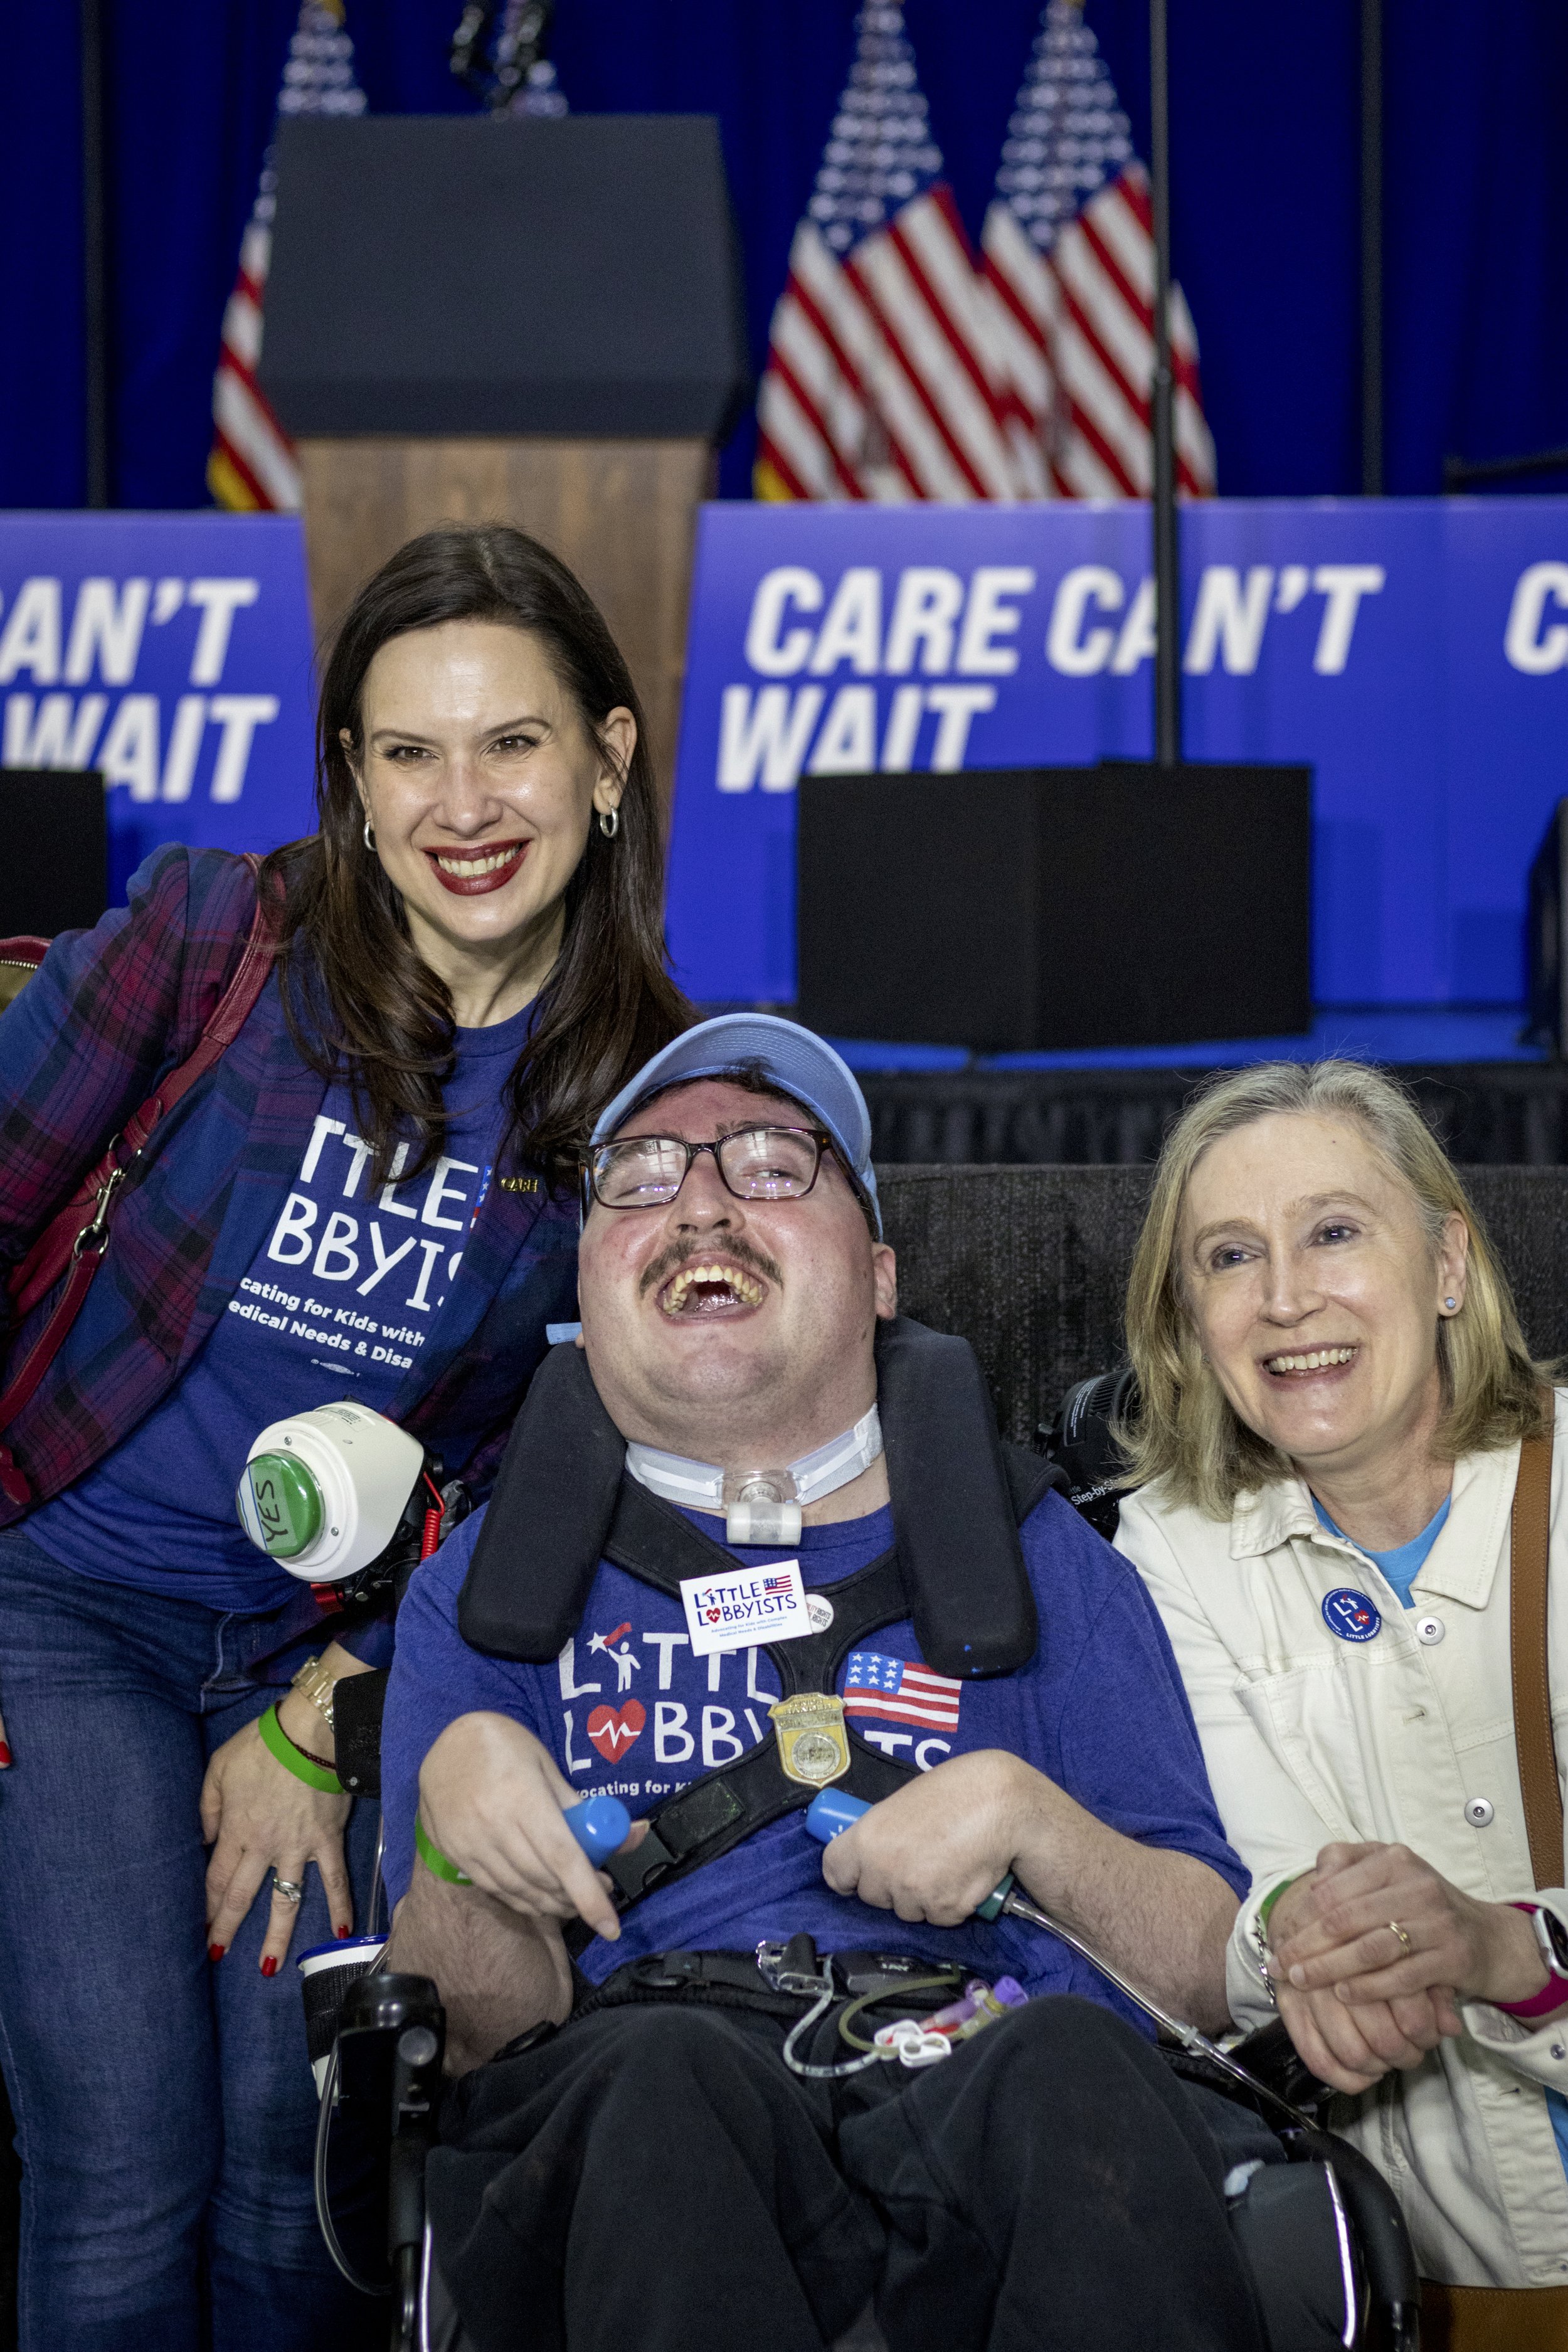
610,823
369,834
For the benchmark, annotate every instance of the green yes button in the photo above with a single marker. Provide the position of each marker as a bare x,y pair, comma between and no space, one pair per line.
279,1504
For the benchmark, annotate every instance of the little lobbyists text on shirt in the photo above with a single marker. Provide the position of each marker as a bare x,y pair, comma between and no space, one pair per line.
325,1243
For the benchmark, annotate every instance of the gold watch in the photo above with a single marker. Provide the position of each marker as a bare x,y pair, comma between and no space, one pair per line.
318,1685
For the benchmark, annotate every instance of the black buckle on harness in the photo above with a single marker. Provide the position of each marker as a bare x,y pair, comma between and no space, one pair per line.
702,1812
635,1874
794,1967
680,1971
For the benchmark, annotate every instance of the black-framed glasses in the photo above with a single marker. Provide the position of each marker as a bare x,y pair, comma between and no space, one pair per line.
758,1163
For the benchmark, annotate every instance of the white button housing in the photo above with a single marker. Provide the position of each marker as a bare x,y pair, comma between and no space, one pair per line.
367,1468
1429,1630
1479,1813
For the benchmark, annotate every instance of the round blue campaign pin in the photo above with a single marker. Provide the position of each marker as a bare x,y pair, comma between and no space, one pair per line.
1351,1615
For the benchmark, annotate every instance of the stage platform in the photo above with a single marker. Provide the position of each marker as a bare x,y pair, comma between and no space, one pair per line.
1490,1099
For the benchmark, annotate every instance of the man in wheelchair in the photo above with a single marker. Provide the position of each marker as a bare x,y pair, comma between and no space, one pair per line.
755,1539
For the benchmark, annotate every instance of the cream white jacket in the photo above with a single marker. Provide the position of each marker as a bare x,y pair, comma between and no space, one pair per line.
1310,1738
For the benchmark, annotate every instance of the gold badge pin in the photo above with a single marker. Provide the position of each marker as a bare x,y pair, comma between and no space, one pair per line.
814,1747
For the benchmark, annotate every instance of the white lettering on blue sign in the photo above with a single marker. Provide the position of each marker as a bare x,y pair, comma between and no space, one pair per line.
173,652
1527,644
942,624
1413,651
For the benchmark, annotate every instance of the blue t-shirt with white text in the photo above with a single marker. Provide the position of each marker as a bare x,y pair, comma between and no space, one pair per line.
628,1710
338,1302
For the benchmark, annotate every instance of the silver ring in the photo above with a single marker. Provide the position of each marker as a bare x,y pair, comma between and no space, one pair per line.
289,1888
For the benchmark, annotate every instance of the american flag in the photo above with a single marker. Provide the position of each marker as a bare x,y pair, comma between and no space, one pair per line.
251,466
897,1692
1067,252
777,1583
879,383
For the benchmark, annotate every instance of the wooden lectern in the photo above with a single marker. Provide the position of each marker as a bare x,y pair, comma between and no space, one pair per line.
536,323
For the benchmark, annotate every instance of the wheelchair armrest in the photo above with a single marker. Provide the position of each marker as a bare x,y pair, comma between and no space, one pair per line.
386,2087
1381,2236
357,1704
1378,2225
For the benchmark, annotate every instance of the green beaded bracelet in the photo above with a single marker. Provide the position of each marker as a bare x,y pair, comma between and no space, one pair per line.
294,1759
434,1861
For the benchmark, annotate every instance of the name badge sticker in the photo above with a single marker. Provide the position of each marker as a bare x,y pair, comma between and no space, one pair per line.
748,1606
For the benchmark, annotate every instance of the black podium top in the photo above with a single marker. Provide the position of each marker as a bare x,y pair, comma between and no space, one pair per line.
443,275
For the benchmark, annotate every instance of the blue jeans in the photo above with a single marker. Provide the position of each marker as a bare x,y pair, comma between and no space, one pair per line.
165,2116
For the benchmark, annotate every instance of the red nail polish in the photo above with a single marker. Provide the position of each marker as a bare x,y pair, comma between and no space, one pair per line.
4,1756
343,1932
269,1965
217,1951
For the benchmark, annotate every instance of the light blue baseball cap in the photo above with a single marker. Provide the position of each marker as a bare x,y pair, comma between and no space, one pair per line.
800,1064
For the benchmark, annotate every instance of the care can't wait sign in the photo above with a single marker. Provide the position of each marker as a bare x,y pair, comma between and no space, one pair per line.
1413,651
173,653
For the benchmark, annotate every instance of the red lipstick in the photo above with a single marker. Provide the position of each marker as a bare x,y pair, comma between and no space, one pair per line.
476,876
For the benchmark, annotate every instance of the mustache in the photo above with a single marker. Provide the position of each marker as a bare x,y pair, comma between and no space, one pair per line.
678,1254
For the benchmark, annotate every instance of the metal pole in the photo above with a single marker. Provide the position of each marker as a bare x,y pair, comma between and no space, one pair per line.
94,258
1167,586
1371,248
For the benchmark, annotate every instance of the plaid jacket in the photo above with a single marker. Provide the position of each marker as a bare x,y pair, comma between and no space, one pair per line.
108,1014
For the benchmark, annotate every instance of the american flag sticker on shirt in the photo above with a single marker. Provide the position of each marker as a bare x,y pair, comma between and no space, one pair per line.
897,1692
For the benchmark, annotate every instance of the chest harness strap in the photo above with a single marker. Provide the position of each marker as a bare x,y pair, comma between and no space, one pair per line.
562,1503
716,1812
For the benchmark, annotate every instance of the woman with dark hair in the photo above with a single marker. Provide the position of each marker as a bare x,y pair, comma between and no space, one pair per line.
370,1195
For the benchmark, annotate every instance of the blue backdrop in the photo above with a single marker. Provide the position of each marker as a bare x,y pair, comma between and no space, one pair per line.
1265,109
173,652
1414,651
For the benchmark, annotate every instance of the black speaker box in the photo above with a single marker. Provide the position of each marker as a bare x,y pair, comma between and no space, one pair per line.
54,875
449,274
1016,910
1546,963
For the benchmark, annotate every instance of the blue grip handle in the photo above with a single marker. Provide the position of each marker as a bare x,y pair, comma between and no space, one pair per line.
835,1810
601,1826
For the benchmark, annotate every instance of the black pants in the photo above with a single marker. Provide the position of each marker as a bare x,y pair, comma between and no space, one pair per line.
653,2179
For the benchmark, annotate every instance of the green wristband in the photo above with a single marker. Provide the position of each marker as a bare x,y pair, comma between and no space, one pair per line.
1272,1897
293,1759
434,1861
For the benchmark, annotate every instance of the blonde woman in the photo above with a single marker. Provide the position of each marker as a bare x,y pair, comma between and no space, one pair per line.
1333,1396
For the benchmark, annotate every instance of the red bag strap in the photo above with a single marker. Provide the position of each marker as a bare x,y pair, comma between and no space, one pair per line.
233,1009
78,1235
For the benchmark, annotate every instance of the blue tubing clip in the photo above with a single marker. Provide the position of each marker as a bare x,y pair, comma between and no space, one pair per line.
834,1811
601,1826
